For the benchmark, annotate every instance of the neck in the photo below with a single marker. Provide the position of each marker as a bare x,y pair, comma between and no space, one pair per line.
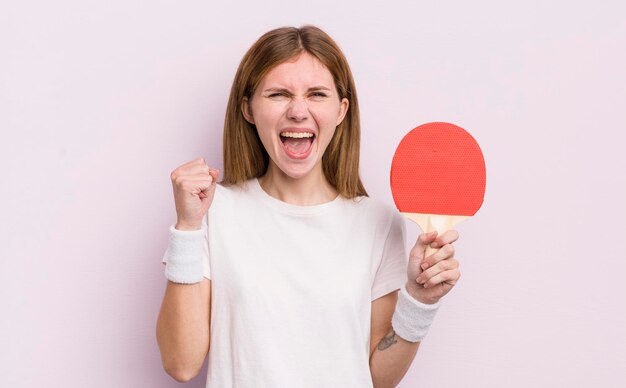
311,189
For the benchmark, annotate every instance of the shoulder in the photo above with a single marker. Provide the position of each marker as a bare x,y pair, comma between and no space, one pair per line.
223,191
375,211
229,198
373,205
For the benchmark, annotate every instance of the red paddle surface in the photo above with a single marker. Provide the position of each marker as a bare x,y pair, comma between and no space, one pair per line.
438,168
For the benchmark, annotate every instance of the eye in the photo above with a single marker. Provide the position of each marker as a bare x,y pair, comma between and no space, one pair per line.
277,94
318,94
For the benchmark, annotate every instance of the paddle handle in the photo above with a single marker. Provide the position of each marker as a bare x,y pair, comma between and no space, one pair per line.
431,222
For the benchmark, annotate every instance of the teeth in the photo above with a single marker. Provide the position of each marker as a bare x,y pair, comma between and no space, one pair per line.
298,135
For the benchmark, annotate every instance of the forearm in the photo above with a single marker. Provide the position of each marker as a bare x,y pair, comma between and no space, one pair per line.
391,359
183,329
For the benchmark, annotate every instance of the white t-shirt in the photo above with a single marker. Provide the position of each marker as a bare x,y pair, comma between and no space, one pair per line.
292,286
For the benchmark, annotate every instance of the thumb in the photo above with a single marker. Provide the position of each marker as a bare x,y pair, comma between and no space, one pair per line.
208,190
422,242
215,173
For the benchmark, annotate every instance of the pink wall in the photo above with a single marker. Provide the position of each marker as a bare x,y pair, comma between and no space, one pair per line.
98,103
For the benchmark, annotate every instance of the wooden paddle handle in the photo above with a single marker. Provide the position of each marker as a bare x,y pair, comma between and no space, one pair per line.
431,222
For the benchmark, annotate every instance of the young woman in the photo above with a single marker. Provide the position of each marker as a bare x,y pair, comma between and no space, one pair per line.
291,278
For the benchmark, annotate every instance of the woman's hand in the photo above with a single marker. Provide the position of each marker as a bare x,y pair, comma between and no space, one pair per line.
194,186
432,277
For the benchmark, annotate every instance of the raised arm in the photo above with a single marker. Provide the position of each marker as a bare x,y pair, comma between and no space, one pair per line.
183,328
183,325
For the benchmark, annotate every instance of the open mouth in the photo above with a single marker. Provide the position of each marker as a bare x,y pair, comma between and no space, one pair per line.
297,145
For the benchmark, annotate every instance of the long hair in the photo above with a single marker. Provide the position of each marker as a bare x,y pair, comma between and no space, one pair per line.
244,154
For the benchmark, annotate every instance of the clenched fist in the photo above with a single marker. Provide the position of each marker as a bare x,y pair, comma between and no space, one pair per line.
194,186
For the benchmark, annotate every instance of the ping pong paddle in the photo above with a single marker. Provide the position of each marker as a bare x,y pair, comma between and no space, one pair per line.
438,177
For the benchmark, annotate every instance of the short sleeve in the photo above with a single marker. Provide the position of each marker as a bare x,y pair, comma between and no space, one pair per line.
391,273
206,267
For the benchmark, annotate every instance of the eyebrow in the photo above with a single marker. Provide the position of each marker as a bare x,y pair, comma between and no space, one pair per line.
315,88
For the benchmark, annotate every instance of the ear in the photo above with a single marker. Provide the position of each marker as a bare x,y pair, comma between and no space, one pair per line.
246,109
343,109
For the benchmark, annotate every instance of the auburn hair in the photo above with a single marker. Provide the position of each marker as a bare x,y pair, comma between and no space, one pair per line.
244,154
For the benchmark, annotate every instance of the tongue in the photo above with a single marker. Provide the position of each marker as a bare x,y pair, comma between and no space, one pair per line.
297,146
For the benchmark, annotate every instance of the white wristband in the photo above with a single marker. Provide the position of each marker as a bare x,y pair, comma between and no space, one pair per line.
184,256
412,318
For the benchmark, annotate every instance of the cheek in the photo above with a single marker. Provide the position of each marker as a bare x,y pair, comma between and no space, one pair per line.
327,128
326,117
328,137
267,114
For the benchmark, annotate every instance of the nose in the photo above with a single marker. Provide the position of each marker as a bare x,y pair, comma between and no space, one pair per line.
298,110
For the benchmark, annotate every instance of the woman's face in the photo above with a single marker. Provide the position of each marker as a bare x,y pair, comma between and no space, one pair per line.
296,109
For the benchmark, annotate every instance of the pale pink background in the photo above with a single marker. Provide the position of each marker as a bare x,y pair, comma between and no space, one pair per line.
100,101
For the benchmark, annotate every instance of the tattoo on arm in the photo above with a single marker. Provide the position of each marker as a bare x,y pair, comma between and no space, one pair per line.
387,341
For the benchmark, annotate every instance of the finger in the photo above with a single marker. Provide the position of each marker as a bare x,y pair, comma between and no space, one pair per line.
201,175
450,277
422,242
193,169
445,252
442,266
195,186
181,180
447,237
194,162
191,164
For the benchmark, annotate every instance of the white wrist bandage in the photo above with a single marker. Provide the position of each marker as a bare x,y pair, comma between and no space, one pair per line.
184,256
412,318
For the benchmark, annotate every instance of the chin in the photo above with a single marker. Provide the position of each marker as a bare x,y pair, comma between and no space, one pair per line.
296,173
297,170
